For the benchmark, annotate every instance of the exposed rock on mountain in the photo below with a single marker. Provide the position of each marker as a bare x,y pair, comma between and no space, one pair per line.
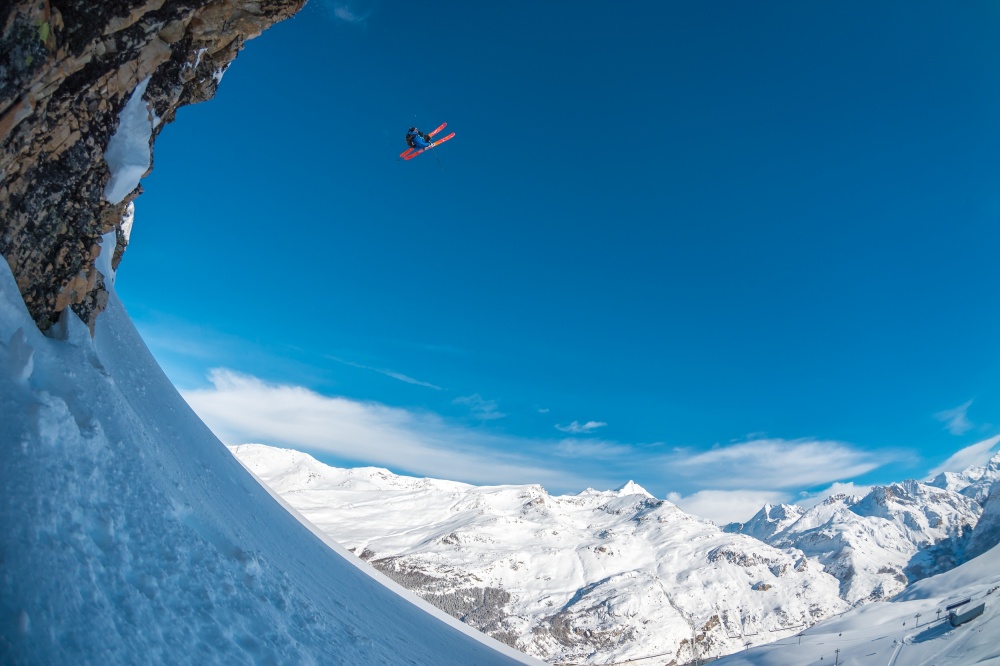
67,70
987,532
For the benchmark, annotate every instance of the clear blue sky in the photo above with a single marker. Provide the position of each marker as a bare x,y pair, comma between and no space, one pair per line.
742,236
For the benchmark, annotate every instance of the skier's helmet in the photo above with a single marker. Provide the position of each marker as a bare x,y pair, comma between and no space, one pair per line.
413,130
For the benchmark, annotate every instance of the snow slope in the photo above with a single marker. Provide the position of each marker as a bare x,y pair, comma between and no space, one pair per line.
131,535
589,578
891,633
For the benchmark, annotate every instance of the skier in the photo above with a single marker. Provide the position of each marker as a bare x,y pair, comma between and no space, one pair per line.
417,139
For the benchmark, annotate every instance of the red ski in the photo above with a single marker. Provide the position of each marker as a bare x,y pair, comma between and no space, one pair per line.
413,152
439,141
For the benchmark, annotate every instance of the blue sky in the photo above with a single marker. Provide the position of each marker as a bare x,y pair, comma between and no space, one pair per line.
733,251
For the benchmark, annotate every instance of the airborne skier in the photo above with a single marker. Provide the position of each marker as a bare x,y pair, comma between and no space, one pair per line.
418,141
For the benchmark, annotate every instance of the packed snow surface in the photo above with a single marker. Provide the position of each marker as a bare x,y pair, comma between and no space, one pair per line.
132,536
598,577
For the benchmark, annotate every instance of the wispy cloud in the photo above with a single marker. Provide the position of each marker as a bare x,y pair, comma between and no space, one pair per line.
485,410
774,464
592,448
956,421
976,454
727,506
409,380
349,12
388,373
577,428
241,409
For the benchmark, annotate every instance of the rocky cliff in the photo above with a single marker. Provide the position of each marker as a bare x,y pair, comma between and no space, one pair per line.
67,70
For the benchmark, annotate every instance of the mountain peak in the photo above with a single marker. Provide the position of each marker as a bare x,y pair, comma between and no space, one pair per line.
632,488
994,462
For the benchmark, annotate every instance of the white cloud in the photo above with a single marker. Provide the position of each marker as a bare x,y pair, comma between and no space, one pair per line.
773,463
480,408
956,421
976,454
241,409
577,428
727,506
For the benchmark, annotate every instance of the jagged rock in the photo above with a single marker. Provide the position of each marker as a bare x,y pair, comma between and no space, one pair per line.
67,69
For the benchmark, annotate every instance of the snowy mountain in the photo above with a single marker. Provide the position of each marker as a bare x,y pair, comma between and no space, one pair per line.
597,577
911,629
131,535
876,544
974,482
767,522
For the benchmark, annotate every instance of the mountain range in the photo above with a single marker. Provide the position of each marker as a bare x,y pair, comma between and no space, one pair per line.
609,576
878,543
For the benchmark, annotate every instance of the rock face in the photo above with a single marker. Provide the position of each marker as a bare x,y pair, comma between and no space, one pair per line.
67,70
987,532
